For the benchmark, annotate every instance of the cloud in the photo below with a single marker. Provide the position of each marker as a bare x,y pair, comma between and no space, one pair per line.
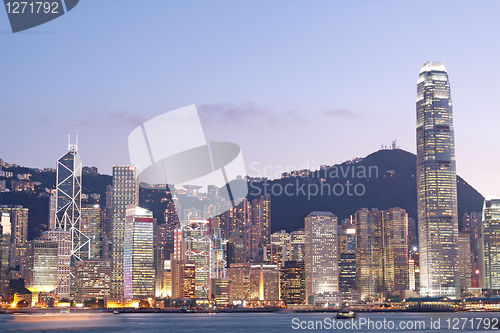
342,113
232,113
126,117
113,118
41,120
245,113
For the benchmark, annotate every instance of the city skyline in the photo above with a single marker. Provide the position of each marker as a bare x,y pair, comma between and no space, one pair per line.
350,199
271,91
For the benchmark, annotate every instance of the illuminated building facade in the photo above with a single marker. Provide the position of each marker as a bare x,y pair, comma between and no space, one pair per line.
92,279
218,261
321,253
436,184
41,266
92,227
261,216
297,244
395,249
381,251
125,192
283,238
69,201
221,291
472,223
235,218
264,282
63,240
183,279
52,209
235,248
193,242
239,274
464,262
347,272
138,257
18,217
274,254
368,252
490,257
411,275
5,247
293,282
165,238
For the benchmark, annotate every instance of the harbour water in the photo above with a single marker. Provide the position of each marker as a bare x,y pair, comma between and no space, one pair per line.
277,322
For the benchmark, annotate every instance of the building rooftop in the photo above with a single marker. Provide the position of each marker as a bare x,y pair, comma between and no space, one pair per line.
315,213
433,66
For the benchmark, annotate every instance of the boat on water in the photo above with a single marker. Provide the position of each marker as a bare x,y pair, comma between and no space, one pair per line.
64,310
116,312
346,314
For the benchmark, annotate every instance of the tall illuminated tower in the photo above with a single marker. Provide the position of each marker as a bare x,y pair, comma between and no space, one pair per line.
138,263
321,253
436,184
125,192
69,200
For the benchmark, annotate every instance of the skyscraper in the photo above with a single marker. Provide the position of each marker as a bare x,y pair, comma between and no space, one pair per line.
218,261
63,240
465,267
490,257
239,274
5,245
297,243
52,209
235,248
368,256
395,249
92,227
69,200
138,260
381,254
125,192
264,282
436,184
262,218
93,279
293,282
41,266
321,253
193,242
18,217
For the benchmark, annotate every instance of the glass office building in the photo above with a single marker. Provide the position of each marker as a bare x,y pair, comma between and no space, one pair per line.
490,263
125,192
436,184
138,258
41,266
69,201
321,253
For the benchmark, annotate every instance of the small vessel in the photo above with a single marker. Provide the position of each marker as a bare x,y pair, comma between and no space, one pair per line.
64,310
346,314
116,312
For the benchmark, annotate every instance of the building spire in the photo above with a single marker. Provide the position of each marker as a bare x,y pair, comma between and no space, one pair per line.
69,135
76,145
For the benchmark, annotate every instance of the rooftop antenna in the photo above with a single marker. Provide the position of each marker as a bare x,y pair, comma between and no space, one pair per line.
76,145
69,137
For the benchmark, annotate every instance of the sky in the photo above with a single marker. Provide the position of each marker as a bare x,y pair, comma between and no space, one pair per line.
294,83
